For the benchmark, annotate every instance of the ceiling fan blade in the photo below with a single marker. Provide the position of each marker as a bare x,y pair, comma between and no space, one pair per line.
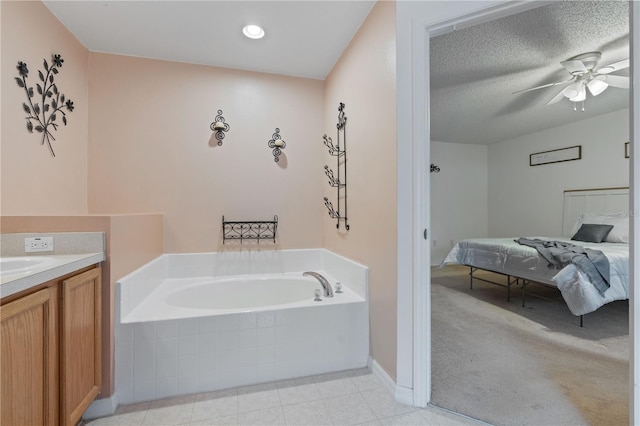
614,67
556,98
544,85
620,81
574,66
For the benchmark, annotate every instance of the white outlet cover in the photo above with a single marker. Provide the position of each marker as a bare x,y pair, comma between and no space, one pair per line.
38,244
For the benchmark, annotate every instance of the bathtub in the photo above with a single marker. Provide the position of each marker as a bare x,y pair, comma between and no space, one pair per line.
188,323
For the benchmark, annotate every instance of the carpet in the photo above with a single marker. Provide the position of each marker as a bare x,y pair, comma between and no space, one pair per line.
507,365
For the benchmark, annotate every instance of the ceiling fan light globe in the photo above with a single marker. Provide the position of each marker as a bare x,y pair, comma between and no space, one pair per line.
572,90
597,86
581,96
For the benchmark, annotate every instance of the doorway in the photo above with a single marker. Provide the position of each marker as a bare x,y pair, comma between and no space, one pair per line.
413,124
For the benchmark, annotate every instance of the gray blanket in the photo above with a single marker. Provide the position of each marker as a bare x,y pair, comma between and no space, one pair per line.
559,254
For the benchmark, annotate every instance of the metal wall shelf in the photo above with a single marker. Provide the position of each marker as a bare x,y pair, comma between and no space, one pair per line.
249,230
338,181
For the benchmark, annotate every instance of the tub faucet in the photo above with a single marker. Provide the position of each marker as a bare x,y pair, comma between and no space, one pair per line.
328,291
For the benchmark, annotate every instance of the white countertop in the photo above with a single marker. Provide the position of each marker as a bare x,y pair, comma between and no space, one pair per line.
52,267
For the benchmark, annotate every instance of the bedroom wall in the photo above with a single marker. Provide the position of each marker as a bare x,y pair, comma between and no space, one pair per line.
459,195
525,200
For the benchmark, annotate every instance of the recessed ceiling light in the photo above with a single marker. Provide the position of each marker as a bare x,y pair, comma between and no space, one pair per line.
253,31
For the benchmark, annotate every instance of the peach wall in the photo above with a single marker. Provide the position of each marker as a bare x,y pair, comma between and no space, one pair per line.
364,79
32,181
151,149
131,241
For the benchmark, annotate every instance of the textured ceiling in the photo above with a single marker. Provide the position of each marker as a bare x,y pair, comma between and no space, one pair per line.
474,71
303,38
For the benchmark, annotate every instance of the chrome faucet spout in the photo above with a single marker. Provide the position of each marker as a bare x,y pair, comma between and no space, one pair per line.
328,291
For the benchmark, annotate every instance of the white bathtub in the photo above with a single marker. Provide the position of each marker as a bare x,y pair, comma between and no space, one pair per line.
177,298
244,292
190,323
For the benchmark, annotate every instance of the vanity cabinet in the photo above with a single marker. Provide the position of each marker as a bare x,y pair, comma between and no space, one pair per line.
30,360
80,344
51,351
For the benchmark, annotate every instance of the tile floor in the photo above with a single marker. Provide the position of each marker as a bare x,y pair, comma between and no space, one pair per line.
353,397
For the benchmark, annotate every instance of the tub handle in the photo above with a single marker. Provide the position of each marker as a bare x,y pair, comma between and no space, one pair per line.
338,287
317,292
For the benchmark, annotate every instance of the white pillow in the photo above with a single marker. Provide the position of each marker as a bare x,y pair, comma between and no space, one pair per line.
620,222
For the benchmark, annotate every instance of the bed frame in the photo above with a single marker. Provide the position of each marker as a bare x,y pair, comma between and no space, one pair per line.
576,202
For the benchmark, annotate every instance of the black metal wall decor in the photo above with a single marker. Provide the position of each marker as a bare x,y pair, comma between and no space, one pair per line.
219,127
249,230
43,111
434,169
278,144
340,181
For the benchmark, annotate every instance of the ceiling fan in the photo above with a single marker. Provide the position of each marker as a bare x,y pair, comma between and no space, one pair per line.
585,75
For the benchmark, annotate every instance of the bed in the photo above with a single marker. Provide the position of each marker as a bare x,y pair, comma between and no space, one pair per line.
523,265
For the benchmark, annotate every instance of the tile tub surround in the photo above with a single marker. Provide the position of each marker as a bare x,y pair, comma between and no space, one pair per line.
159,359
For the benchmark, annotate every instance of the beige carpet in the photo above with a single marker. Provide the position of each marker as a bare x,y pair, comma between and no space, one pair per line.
507,365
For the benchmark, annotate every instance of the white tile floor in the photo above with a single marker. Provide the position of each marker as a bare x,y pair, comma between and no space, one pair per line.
346,398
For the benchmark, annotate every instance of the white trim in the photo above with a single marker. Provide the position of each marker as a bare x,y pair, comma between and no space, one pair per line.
634,178
422,220
404,221
382,376
102,407
404,395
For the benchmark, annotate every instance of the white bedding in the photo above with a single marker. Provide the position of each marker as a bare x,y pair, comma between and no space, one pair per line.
506,256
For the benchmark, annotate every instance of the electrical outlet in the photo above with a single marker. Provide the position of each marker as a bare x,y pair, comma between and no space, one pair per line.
36,244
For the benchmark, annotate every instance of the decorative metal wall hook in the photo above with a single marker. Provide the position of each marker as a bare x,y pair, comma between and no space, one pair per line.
434,169
278,144
333,181
333,150
342,119
220,127
340,181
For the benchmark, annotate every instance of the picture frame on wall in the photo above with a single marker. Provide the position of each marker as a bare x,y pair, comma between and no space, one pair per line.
626,150
556,156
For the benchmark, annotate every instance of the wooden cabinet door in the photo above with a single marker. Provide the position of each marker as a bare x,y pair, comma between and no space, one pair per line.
81,344
29,363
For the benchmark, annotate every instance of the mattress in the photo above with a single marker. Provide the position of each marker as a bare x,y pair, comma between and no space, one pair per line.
505,256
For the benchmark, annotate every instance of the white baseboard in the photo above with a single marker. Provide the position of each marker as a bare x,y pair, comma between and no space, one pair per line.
401,394
404,395
102,407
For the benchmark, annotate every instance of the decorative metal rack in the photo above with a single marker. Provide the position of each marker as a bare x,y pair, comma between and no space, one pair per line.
249,230
338,181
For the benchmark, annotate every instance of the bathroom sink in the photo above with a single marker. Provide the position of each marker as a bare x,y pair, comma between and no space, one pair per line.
18,264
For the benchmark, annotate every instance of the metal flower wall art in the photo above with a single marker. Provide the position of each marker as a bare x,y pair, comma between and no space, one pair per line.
45,107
